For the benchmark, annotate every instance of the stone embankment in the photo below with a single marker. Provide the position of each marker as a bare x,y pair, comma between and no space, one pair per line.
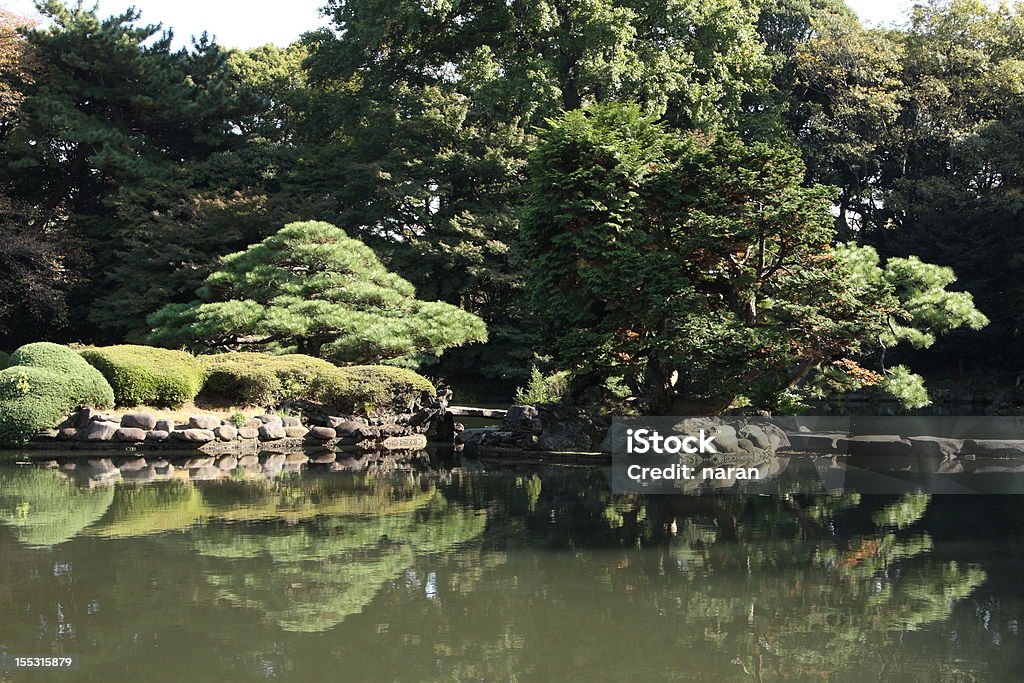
88,429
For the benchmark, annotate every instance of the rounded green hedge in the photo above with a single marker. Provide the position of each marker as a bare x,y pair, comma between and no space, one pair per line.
43,384
146,375
264,379
362,389
242,378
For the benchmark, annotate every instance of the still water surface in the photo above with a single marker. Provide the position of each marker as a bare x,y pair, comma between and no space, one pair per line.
475,574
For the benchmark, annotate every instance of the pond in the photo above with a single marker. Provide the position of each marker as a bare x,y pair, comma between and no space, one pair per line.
472,571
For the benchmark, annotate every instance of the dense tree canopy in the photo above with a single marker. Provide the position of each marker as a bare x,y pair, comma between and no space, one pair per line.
129,168
700,268
312,289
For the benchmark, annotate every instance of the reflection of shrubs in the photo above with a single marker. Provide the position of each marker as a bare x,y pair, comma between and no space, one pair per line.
144,375
44,508
369,388
151,509
263,379
43,384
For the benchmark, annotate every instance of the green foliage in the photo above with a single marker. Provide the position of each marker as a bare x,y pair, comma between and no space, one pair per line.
144,375
4,360
43,508
238,419
312,288
260,379
362,389
699,268
544,388
264,379
44,383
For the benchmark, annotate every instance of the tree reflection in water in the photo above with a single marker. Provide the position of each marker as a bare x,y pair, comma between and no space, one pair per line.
488,575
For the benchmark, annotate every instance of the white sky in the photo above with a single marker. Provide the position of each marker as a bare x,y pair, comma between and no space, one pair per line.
249,23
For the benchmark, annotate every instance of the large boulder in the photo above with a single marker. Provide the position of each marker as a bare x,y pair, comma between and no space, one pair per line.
322,433
100,431
130,434
139,421
203,422
525,419
194,435
566,428
226,432
272,432
935,446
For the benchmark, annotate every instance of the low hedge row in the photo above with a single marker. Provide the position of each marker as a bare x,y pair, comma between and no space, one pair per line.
43,383
264,379
146,375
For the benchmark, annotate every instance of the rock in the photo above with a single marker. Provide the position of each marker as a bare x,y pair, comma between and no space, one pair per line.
157,435
726,438
935,446
130,434
248,461
335,422
813,443
252,422
746,445
565,429
296,458
194,435
67,434
291,421
322,433
69,466
874,444
757,437
324,458
164,426
249,432
48,465
100,431
203,422
144,421
392,429
272,432
352,428
46,435
296,431
226,432
1004,447
196,463
522,419
270,419
82,418
227,463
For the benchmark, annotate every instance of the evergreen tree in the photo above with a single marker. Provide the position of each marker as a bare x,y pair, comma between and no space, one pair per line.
312,289
700,269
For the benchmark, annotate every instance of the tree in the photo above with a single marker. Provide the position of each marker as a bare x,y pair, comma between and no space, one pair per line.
119,128
313,289
422,116
700,268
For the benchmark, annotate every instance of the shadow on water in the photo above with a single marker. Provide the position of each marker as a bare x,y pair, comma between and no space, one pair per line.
444,569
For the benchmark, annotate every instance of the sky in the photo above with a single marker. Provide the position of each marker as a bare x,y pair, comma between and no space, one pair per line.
250,23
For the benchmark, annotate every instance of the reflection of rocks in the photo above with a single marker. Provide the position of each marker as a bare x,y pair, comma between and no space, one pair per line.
545,427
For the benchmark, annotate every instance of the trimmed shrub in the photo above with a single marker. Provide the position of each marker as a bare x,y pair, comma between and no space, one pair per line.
145,375
43,384
361,389
262,379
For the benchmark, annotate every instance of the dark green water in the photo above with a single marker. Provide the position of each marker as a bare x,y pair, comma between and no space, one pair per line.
477,575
